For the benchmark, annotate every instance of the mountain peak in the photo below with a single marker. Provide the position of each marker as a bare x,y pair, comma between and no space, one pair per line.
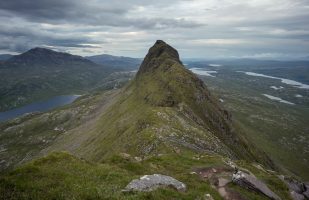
162,82
42,56
40,50
160,52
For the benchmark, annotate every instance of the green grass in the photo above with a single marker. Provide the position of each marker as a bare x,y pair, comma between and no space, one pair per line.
62,176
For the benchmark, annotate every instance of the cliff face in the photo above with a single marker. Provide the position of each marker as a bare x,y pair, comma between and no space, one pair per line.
158,54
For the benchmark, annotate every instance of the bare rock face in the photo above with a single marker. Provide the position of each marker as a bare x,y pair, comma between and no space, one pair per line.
159,53
251,183
151,182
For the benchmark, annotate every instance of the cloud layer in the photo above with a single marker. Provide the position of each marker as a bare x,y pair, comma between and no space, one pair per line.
198,28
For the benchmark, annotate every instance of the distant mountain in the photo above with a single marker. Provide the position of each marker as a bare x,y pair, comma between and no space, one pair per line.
117,62
46,57
41,73
4,57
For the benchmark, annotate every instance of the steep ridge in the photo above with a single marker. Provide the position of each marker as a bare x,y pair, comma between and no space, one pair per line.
165,82
166,108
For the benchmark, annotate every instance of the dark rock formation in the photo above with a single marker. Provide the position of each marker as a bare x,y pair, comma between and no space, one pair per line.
295,186
156,55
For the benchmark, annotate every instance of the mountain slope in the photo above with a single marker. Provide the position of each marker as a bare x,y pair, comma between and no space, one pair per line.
164,121
116,62
42,73
166,108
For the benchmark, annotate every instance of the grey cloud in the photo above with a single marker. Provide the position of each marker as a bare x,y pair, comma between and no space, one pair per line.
99,13
21,22
130,26
20,39
46,10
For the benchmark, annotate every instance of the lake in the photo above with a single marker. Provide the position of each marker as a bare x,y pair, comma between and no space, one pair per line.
41,106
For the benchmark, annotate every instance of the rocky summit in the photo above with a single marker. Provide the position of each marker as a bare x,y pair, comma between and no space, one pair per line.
164,122
159,53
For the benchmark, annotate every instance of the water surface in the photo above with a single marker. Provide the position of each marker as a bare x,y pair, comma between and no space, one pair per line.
41,106
278,99
283,80
203,72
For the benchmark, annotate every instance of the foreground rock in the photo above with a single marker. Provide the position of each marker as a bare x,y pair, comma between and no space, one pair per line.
250,182
151,182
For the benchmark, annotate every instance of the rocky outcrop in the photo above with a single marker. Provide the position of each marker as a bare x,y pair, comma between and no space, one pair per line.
295,186
151,182
159,53
251,183
298,190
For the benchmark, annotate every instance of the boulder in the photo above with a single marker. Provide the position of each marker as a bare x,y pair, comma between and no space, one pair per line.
151,182
251,183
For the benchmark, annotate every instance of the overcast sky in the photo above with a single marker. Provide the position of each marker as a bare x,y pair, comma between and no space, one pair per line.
266,29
